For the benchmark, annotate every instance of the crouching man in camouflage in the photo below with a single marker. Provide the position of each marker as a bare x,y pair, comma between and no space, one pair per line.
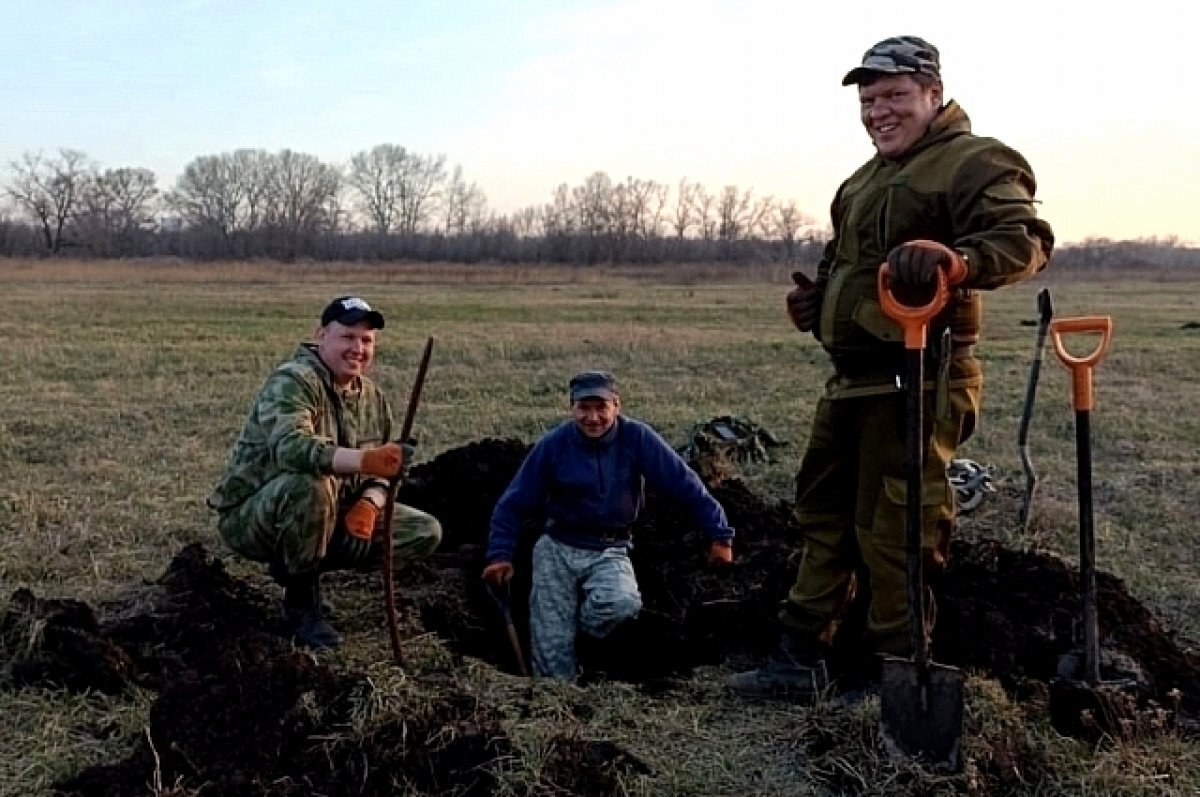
308,477
586,479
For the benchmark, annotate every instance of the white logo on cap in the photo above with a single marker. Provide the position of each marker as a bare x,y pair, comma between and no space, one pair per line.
355,303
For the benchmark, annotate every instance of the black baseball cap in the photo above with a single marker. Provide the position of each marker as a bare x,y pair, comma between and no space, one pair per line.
350,310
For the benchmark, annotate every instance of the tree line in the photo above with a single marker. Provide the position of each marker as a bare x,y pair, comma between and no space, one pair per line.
389,203
385,203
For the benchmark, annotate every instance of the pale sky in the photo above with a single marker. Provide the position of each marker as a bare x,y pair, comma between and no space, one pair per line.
526,95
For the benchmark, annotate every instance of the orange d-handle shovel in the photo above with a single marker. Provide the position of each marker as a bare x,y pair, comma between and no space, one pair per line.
920,703
1084,400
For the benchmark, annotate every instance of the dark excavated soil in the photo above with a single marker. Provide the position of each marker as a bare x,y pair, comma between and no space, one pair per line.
239,711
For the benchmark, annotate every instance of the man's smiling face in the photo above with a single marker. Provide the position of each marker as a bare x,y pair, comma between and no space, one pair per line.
896,110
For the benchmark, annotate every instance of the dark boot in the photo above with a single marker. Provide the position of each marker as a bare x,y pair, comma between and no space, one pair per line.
302,612
279,574
796,671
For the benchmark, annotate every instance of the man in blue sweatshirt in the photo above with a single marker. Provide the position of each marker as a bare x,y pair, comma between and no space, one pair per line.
586,478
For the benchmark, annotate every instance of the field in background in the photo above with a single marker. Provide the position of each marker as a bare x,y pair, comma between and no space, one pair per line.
126,383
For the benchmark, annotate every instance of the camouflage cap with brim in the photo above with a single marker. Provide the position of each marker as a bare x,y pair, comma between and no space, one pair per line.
899,55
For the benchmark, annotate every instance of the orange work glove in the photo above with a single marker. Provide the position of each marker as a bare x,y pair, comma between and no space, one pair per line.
803,303
497,574
914,263
384,461
360,520
720,553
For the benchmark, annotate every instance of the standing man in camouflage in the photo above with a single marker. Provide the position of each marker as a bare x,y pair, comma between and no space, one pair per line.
934,196
308,477
586,480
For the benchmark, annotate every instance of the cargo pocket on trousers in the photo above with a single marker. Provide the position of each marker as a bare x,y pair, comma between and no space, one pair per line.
936,507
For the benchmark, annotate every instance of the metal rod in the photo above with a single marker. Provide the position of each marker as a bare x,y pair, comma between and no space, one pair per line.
1045,314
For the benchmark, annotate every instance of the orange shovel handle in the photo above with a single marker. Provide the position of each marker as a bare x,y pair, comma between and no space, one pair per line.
913,319
1081,367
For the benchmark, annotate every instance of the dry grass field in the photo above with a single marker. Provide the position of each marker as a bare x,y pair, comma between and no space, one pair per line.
125,384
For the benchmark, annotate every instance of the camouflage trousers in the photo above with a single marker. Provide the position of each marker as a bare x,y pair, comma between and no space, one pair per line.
576,589
295,521
851,503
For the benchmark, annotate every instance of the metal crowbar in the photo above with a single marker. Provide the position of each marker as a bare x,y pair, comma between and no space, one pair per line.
1045,314
389,510
501,597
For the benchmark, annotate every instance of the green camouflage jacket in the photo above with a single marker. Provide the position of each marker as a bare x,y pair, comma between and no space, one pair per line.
971,193
296,422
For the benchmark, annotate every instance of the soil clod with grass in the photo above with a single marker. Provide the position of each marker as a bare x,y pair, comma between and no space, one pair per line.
240,711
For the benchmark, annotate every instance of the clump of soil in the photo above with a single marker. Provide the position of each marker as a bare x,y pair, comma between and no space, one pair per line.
240,711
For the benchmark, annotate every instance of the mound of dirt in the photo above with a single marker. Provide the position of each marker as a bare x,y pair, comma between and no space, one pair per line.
240,711
1027,601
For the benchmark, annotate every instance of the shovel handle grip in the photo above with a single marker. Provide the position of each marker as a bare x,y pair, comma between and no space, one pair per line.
1081,367
913,319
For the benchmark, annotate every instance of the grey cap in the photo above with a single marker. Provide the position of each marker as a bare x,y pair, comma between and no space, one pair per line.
593,384
899,55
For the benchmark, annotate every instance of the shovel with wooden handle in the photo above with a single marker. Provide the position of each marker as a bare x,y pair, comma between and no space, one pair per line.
1085,401
920,703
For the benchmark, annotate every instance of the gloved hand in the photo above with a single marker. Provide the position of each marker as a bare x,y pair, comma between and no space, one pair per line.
720,553
408,450
804,303
359,526
498,574
360,520
386,461
914,264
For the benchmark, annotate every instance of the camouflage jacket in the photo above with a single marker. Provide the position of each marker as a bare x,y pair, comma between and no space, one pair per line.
297,421
968,192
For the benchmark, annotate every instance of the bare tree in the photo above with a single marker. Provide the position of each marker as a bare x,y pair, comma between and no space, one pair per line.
115,206
300,191
374,176
49,191
593,202
527,223
464,206
683,216
786,222
396,188
211,194
733,213
704,206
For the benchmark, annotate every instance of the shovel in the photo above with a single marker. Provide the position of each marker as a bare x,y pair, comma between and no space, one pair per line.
1085,402
501,597
920,703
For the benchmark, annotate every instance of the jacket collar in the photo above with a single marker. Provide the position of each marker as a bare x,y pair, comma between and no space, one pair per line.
307,353
951,121
604,441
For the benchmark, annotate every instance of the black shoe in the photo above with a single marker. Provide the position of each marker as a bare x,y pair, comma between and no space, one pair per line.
311,629
795,672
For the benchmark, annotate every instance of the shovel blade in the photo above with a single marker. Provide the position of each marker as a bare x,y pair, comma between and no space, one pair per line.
921,712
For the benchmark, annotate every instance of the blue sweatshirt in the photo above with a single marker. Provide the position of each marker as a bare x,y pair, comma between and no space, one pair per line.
591,491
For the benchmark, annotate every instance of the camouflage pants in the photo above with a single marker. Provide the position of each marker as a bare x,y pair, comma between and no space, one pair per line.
294,518
851,497
576,589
